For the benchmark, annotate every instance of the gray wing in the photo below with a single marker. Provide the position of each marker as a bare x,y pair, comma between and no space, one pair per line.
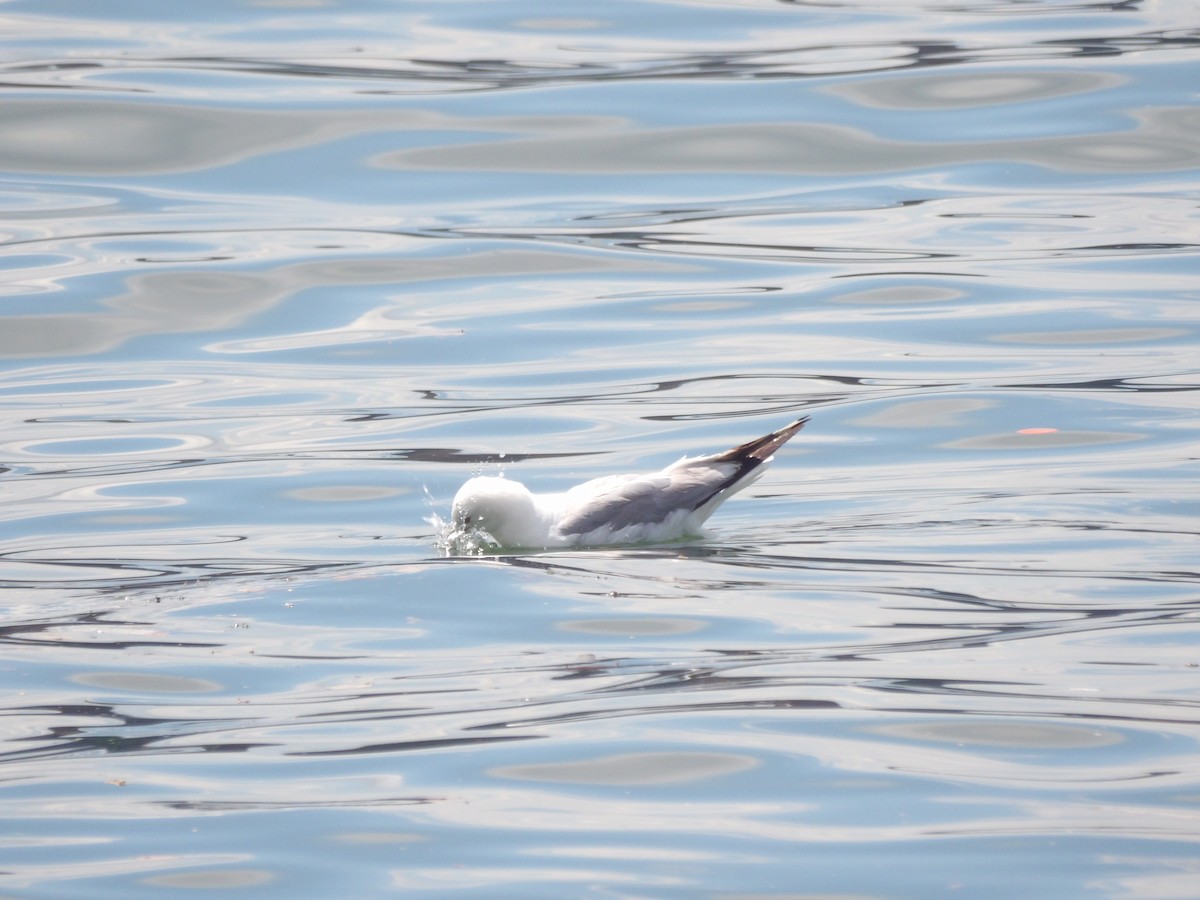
641,499
621,501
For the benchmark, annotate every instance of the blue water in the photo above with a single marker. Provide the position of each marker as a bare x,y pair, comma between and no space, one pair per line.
277,277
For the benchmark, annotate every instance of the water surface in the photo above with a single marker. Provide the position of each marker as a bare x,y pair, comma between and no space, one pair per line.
279,276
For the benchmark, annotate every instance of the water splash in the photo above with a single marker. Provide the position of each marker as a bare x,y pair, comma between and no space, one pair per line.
450,541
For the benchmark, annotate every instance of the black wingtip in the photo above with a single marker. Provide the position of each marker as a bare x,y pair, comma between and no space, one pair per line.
763,448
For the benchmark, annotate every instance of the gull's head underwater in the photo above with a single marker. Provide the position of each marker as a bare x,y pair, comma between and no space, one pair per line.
497,510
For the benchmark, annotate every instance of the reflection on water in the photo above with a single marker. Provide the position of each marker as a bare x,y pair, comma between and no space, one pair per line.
278,277
1160,141
156,303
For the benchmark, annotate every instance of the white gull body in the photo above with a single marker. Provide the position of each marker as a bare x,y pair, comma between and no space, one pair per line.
615,509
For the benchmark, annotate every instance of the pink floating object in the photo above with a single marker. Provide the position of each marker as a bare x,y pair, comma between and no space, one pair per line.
1037,431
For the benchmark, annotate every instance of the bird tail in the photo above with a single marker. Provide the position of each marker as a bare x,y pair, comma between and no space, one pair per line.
762,449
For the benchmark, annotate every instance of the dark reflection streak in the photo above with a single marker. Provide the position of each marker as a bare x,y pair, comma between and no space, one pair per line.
998,7
14,634
97,420
1087,622
456,455
632,393
690,215
107,739
119,469
1053,524
314,657
396,746
416,454
81,710
1073,621
653,242
759,560
451,408
692,247
444,455
142,569
709,677
1131,247
684,215
100,645
190,259
628,394
57,65
143,735
630,711
1025,214
1103,384
751,558
1128,529
390,712
1024,712
967,688
112,745
251,805
602,667
972,691
659,243
799,61
925,273
848,380
104,89
198,232
156,575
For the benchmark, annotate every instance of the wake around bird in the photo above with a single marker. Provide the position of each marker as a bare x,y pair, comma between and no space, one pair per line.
612,510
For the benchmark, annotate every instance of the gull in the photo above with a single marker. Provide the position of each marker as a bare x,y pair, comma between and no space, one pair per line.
615,509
